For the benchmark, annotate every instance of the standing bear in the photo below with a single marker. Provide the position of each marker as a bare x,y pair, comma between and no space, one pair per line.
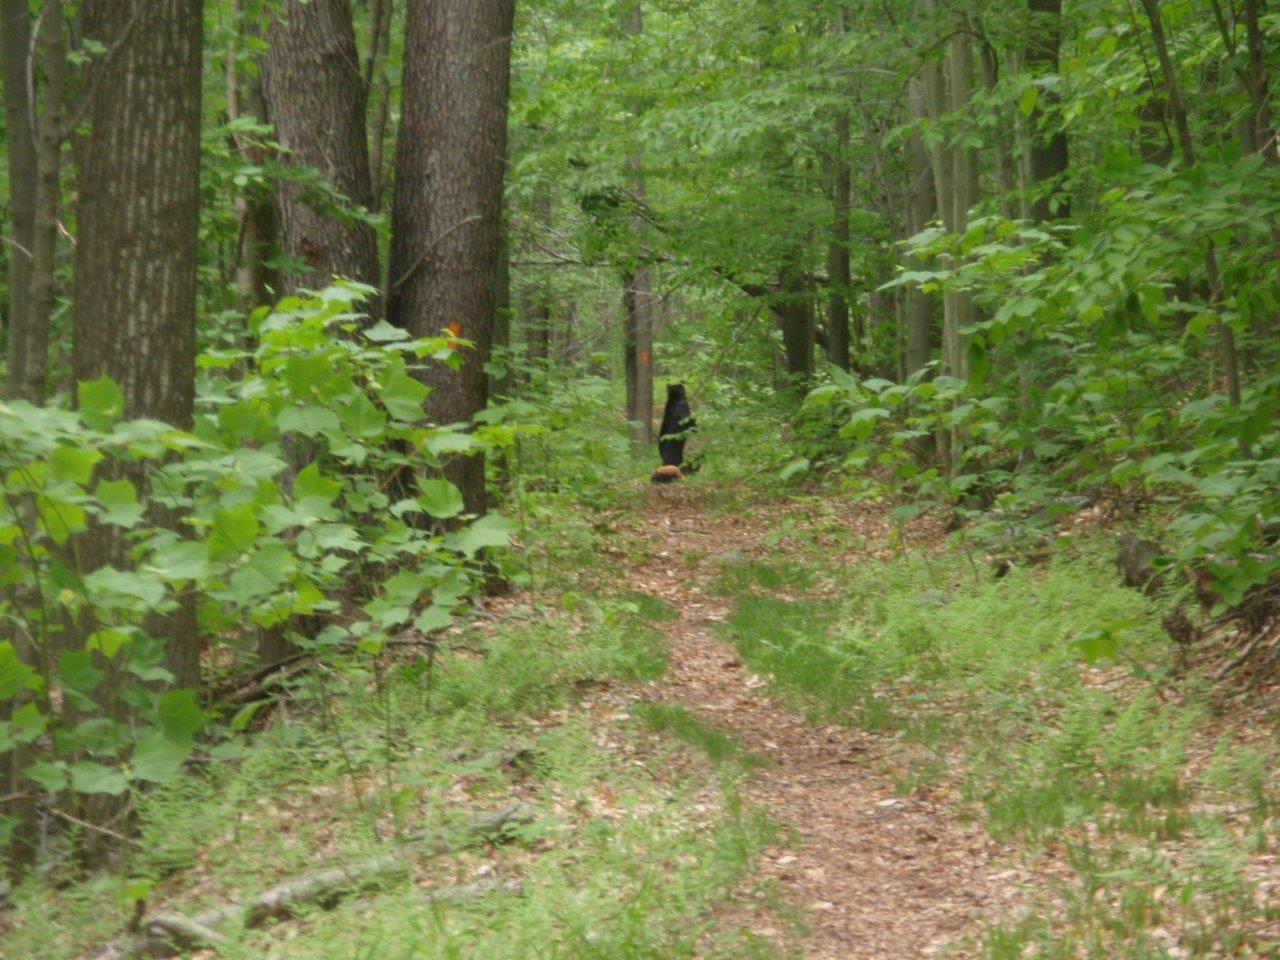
677,424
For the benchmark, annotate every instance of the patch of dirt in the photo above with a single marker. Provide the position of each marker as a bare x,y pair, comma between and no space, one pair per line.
877,874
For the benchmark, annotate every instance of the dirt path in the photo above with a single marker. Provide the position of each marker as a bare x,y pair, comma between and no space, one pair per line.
879,875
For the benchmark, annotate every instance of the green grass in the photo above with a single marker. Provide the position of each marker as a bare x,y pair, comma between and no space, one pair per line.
722,749
960,665
618,865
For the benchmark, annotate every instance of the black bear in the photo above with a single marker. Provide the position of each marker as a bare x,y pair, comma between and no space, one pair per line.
677,422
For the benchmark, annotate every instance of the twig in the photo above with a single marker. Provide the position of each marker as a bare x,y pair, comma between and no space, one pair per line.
105,831
405,277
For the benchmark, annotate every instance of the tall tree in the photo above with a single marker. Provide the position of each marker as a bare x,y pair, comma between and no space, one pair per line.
637,288
838,275
37,192
316,96
135,267
446,220
20,153
1047,153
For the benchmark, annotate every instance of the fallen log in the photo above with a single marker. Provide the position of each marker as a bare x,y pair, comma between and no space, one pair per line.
166,933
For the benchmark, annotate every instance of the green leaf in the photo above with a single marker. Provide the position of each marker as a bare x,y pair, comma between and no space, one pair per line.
105,581
308,421
119,501
90,777
315,490
362,419
157,759
491,530
73,463
383,332
180,716
435,617
51,776
440,498
798,465
1027,102
234,530
1095,645
100,402
60,518
402,395
451,441
14,674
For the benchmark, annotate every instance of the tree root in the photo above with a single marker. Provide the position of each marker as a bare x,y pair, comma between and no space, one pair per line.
165,933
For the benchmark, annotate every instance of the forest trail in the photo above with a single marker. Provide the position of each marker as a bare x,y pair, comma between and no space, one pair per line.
877,874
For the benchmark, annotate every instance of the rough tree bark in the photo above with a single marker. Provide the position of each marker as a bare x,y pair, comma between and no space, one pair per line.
316,97
135,267
20,152
446,218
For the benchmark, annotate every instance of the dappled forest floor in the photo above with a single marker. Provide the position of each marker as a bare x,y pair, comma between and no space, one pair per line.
878,874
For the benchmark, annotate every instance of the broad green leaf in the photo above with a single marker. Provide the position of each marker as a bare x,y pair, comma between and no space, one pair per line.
309,421
180,716
157,759
440,498
90,777
73,463
100,402
14,674
491,530
119,501
60,518
233,532
106,581
433,618
51,776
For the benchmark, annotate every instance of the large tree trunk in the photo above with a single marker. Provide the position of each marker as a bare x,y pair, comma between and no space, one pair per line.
1047,156
135,269
20,152
446,219
316,97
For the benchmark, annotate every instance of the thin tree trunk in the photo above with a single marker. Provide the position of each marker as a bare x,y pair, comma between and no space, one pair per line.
255,211
446,219
315,97
838,249
48,144
637,294
1048,155
20,153
1226,337
794,314
920,210
379,86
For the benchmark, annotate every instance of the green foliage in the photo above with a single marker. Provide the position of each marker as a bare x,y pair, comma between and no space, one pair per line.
276,505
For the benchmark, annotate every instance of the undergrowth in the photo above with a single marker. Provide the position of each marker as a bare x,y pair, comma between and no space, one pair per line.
1049,696
618,864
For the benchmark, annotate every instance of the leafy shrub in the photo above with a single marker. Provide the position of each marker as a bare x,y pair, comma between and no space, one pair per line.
281,493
